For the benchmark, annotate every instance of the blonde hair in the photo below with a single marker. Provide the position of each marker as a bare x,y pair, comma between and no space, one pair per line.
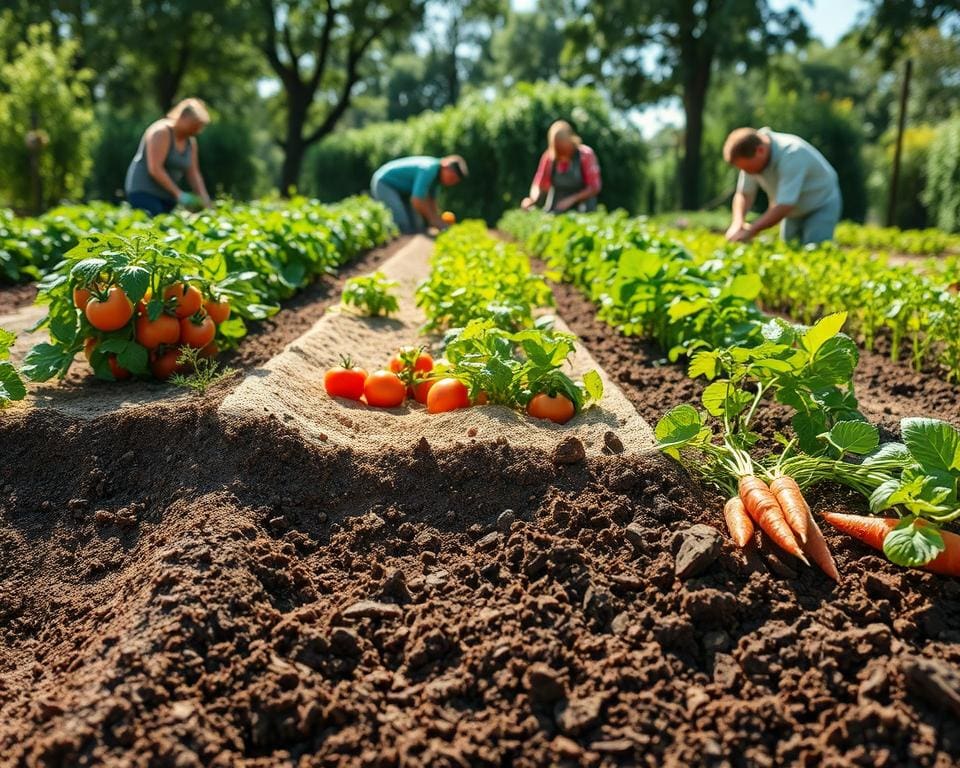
560,129
191,107
741,143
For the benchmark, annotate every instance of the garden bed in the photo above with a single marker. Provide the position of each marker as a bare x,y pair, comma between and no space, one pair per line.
182,589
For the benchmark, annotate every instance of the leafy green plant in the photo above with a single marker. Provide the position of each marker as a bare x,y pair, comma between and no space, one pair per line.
11,385
204,372
371,293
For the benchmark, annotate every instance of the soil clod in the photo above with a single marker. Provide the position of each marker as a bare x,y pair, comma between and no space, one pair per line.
696,548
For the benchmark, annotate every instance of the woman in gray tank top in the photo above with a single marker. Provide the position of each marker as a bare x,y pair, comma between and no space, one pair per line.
167,154
568,176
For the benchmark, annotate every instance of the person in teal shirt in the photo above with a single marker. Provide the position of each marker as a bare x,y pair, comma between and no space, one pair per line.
407,186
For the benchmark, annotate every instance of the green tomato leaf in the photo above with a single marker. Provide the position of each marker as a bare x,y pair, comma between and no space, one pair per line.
913,543
593,385
826,328
857,437
45,361
134,280
703,364
744,287
723,397
933,443
11,385
889,454
678,427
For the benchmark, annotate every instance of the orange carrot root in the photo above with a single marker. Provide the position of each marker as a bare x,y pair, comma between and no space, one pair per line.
873,530
817,550
796,511
763,508
738,522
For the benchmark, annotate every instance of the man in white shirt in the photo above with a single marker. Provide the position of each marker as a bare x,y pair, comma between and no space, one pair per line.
802,186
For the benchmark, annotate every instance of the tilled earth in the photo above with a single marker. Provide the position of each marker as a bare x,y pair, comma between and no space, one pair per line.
179,591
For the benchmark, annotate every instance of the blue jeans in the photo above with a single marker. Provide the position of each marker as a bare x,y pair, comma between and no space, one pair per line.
817,226
408,220
150,203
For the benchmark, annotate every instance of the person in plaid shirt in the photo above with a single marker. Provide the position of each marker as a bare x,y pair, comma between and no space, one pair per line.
568,177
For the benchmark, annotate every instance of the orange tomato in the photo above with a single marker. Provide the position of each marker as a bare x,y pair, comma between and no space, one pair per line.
187,300
448,217
81,296
152,333
111,314
197,332
384,389
211,350
118,373
447,395
421,390
219,311
558,408
345,381
423,362
481,398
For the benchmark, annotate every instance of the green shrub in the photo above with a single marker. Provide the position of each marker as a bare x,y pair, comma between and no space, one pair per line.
943,177
501,141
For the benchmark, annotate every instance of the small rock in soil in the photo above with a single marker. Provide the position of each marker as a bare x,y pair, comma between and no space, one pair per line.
578,715
544,684
506,520
612,443
345,642
612,746
635,534
935,681
570,451
699,546
371,609
395,586
489,541
566,747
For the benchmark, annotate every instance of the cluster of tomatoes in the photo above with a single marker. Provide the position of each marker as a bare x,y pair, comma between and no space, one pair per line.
409,374
186,319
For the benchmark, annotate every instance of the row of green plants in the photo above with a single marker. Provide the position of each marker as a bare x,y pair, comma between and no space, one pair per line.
899,310
132,301
922,242
704,311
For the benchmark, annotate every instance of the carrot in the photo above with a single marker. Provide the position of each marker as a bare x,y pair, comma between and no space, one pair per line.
873,530
796,511
738,522
763,508
815,547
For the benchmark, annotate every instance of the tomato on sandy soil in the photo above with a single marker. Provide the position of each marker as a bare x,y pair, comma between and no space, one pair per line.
345,381
219,311
111,314
423,362
187,299
81,297
447,395
152,333
558,408
384,389
420,390
197,331
164,364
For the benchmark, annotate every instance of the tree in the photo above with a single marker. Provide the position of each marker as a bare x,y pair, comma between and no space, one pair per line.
529,46
316,48
889,22
646,49
46,123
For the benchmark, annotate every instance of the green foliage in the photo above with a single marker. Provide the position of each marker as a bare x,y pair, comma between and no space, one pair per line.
11,385
502,141
371,293
204,372
943,177
44,114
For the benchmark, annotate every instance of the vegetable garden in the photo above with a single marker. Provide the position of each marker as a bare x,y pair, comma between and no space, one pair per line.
279,487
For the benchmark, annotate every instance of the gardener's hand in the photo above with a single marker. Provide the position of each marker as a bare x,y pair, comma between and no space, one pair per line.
742,235
528,203
566,203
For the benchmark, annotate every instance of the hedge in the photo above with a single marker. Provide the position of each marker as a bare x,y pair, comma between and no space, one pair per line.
501,139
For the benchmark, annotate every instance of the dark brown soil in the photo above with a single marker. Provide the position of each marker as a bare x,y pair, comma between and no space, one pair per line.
179,591
14,297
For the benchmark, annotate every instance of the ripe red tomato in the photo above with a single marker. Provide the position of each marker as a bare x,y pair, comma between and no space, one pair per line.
81,296
187,299
420,390
118,373
219,311
558,409
447,395
197,331
345,381
481,398
384,389
112,313
152,333
164,364
423,362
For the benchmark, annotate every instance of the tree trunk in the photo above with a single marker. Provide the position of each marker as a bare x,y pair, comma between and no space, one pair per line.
295,145
453,76
694,103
